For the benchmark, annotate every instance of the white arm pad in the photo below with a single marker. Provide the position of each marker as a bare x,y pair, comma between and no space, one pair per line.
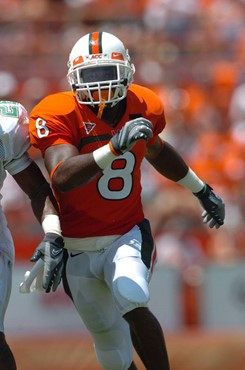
192,182
103,156
51,224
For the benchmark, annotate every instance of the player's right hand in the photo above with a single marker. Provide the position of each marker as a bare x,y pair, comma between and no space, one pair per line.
50,250
134,130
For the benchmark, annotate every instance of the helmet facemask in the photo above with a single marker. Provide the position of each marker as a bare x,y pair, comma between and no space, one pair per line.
101,83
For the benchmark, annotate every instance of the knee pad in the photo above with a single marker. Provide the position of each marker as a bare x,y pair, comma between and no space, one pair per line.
112,360
135,291
114,350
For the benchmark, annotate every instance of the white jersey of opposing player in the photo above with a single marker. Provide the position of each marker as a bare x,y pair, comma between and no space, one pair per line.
14,143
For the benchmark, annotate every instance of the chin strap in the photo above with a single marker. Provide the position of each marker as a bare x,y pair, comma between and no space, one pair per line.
100,110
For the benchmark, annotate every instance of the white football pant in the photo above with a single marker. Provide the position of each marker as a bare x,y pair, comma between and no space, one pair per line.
106,284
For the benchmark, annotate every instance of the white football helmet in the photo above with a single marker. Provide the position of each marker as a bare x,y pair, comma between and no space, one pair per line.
100,70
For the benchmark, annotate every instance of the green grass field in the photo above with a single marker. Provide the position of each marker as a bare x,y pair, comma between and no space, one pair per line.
187,351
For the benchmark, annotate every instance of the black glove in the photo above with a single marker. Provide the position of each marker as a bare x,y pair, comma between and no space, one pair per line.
137,129
50,250
213,205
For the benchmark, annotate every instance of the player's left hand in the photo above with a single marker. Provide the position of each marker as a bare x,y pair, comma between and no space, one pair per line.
33,279
50,250
213,205
137,129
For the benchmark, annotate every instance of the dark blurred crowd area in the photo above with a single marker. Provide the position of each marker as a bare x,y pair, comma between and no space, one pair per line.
192,53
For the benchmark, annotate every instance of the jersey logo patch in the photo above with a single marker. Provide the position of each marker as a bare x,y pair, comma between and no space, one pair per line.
89,126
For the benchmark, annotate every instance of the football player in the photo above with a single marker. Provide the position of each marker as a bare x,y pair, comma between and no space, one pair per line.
93,140
14,159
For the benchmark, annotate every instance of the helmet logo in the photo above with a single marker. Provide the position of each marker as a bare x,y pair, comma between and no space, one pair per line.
96,56
89,126
78,60
117,56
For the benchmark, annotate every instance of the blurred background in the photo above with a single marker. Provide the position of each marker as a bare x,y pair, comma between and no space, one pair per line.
191,53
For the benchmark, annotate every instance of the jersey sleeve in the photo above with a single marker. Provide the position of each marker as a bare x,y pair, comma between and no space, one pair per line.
48,128
14,137
19,164
148,104
157,117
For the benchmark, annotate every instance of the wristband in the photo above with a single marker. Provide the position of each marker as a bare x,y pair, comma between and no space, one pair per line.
103,156
51,224
192,182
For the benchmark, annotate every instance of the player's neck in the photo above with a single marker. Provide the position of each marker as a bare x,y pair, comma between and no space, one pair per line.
111,115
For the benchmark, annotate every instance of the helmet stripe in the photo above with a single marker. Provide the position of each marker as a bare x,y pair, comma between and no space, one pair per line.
95,43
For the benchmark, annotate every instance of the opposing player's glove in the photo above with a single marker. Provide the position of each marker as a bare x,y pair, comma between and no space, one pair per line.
213,205
137,129
50,250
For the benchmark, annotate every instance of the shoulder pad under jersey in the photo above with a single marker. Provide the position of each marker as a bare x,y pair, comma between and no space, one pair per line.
14,136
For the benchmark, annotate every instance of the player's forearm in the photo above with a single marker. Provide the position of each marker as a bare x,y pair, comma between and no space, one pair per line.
43,204
34,184
169,163
45,209
172,166
79,170
75,172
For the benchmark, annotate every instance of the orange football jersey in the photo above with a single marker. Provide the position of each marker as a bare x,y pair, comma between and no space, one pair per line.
111,203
